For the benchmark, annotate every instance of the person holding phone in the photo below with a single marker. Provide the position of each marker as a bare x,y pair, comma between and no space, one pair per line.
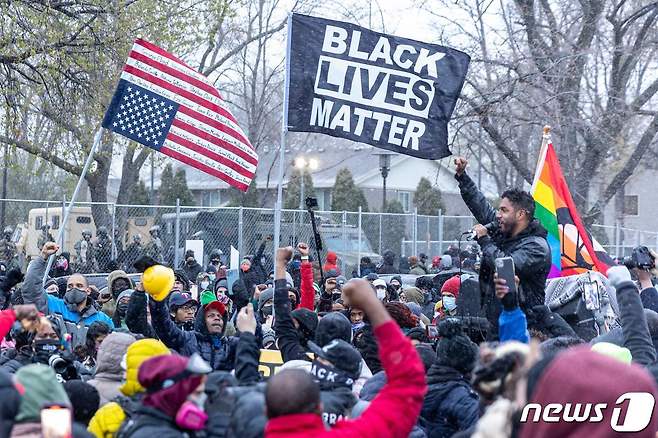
509,231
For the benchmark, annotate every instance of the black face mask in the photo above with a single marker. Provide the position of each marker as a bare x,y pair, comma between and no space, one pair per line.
293,303
266,310
122,309
190,262
73,298
43,349
188,326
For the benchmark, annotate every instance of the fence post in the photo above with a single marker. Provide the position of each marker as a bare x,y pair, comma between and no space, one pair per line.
342,262
62,225
240,230
440,238
177,234
114,236
380,232
358,259
429,237
414,232
617,239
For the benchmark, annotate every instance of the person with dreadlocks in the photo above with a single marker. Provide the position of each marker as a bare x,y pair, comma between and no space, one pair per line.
402,315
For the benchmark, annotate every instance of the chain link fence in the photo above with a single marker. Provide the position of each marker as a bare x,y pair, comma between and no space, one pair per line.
124,232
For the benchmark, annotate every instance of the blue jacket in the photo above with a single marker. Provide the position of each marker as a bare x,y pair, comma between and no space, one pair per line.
34,293
512,326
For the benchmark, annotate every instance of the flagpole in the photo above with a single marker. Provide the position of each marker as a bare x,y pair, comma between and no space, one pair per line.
67,212
282,150
546,139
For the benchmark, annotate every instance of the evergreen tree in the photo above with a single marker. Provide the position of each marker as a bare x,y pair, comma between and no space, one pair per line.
427,199
140,195
294,188
249,198
346,195
174,187
394,227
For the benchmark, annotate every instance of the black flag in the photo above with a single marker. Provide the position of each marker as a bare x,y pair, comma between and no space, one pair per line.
390,92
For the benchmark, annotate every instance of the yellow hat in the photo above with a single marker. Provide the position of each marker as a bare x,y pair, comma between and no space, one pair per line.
158,281
138,353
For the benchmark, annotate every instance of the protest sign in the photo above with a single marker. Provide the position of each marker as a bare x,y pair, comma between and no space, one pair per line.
390,92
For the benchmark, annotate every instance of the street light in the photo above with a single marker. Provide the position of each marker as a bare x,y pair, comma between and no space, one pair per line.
302,164
384,167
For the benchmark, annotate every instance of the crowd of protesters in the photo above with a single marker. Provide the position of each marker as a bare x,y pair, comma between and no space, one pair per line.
368,357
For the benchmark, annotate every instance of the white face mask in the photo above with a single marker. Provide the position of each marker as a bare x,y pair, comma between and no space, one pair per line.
450,303
381,294
204,285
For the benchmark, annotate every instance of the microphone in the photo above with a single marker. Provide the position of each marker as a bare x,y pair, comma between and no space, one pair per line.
491,226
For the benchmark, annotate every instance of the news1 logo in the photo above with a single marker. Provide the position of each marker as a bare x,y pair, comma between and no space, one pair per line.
638,411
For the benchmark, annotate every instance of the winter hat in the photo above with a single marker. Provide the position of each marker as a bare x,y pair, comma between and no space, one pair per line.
126,293
606,380
342,355
622,354
414,295
137,353
332,257
451,286
372,277
221,283
331,273
41,388
379,282
189,253
207,297
167,385
84,398
180,276
265,296
50,282
308,321
446,261
333,325
455,349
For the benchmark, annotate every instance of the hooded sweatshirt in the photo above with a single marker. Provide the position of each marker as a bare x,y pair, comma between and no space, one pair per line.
109,417
109,374
580,373
331,265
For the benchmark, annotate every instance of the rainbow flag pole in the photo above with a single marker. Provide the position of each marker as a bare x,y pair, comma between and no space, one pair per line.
573,250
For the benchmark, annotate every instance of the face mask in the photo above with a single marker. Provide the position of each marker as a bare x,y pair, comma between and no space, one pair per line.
358,326
122,309
450,303
381,294
190,262
191,416
395,286
44,348
293,303
204,285
73,298
188,326
266,310
62,264
296,264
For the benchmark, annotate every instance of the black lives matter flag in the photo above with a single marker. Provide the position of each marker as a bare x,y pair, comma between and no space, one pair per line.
390,92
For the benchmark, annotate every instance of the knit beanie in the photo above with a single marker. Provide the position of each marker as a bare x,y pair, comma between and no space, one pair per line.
455,349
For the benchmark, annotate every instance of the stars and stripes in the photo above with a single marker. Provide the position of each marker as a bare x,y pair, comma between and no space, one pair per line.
162,103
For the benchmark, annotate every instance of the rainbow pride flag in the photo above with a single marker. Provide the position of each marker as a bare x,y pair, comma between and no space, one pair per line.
573,250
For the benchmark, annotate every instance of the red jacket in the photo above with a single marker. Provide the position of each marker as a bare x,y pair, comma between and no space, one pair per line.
392,413
7,318
306,288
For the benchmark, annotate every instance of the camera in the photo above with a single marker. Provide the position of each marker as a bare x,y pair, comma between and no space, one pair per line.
311,203
64,368
640,258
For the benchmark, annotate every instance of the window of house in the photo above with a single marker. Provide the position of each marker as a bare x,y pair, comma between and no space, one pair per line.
405,200
55,220
631,205
210,198
38,222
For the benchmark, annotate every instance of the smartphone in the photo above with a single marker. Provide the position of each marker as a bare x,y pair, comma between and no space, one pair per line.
505,270
431,331
56,422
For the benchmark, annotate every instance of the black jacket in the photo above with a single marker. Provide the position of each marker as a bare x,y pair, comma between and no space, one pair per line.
218,350
191,271
529,249
288,337
388,261
634,325
450,404
649,298
336,404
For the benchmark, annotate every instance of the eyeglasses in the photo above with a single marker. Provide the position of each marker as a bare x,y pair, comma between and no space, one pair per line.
188,308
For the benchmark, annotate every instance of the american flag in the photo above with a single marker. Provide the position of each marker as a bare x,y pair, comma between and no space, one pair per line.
166,105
